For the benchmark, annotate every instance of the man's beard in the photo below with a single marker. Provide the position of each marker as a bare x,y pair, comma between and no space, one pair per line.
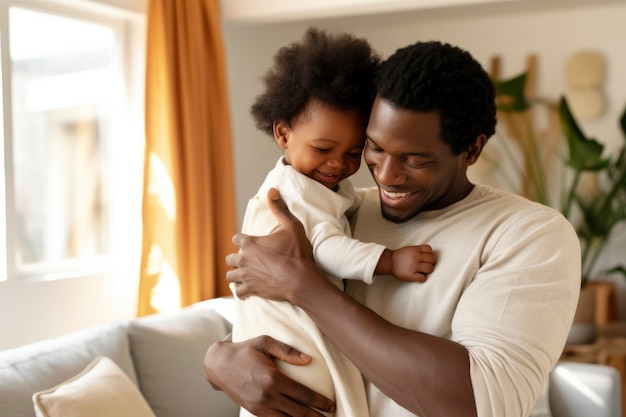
395,219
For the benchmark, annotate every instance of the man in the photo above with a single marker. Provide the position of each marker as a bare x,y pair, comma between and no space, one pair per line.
481,335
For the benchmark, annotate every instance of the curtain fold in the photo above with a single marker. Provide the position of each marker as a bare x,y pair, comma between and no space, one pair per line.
188,200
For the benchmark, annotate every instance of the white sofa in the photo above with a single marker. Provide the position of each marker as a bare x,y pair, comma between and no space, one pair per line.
163,355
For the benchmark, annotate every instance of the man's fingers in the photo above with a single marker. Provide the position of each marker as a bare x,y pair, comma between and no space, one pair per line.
297,392
284,352
303,395
232,260
278,207
237,239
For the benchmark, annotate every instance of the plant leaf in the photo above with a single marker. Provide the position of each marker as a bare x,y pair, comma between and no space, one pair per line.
585,154
513,90
619,268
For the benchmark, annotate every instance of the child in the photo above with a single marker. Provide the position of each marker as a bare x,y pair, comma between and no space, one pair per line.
316,105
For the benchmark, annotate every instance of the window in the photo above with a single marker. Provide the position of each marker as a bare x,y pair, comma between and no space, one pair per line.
72,139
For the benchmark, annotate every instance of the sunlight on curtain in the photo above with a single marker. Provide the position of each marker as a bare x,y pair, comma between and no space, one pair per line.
189,210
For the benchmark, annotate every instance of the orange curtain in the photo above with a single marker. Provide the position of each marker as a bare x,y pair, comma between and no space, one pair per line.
188,199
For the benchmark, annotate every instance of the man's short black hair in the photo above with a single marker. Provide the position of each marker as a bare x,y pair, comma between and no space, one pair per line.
433,76
337,70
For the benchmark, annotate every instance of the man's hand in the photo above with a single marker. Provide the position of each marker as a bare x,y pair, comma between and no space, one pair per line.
247,373
279,266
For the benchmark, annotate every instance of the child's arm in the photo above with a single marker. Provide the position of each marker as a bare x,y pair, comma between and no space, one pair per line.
410,263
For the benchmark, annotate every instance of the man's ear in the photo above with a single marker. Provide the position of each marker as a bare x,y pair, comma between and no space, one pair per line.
281,133
473,152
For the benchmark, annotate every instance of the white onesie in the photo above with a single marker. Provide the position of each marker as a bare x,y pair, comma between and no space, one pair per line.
323,214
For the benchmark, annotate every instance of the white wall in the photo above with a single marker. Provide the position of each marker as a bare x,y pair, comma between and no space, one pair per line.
508,30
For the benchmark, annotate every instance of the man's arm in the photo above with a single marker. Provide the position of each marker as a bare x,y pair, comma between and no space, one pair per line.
425,374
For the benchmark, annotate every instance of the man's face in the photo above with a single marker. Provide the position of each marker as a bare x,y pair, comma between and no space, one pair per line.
414,169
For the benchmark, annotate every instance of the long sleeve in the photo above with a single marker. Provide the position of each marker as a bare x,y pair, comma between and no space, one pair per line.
323,215
505,287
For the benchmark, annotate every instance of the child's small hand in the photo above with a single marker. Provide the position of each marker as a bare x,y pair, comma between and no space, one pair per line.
413,263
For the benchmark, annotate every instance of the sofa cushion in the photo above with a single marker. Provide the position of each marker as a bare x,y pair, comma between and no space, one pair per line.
39,366
100,390
168,350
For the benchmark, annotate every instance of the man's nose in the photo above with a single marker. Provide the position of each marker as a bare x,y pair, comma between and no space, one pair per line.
388,171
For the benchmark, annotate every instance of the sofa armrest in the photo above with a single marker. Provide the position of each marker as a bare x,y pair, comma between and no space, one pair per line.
224,306
584,389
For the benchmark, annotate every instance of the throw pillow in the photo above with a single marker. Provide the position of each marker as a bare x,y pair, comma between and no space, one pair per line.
100,390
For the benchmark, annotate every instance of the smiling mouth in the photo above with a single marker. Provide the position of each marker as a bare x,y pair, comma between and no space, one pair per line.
329,177
393,195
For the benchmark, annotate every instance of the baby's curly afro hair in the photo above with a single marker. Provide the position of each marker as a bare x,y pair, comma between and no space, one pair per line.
337,70
432,76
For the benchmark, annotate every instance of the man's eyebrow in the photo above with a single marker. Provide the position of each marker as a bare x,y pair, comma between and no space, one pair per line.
422,154
426,155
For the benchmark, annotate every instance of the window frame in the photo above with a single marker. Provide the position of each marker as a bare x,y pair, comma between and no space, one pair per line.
126,150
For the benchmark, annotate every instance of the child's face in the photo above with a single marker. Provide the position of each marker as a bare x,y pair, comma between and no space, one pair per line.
323,143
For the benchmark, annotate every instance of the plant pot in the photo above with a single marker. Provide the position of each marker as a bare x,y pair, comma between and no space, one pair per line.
584,327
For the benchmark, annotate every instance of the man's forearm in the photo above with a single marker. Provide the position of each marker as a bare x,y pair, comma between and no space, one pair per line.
425,374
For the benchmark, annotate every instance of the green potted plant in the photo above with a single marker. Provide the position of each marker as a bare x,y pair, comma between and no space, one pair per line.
594,209
591,187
